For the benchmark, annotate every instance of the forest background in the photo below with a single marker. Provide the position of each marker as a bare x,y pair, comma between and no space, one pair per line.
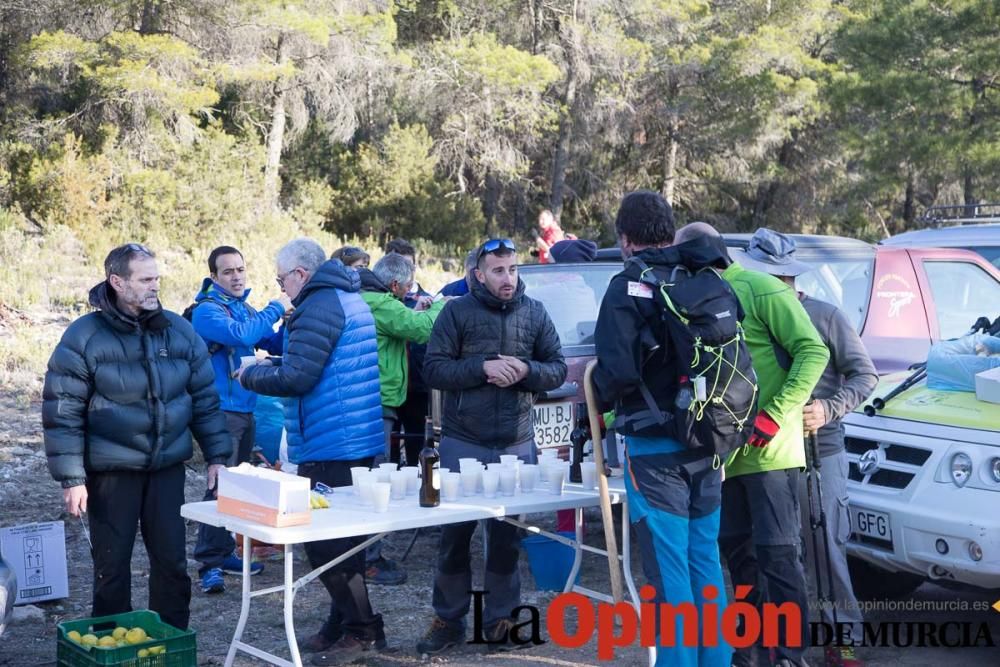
185,124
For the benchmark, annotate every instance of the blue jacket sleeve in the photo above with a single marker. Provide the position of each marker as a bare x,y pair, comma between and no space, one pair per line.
214,323
273,344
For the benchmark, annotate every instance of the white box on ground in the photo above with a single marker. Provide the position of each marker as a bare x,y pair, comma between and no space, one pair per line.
988,385
267,496
37,554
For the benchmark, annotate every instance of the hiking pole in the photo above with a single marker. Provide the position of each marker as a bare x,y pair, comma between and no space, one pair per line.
817,520
879,403
611,542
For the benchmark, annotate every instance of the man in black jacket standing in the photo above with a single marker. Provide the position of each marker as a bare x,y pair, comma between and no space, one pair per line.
126,389
490,351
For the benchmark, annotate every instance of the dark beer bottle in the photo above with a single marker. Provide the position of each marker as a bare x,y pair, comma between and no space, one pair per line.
430,465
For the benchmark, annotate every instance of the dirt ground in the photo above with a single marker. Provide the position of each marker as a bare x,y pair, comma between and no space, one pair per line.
28,494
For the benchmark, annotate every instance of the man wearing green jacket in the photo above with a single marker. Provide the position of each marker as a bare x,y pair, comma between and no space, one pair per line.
383,289
759,534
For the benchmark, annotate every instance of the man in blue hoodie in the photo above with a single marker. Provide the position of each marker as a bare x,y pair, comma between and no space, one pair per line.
231,329
329,377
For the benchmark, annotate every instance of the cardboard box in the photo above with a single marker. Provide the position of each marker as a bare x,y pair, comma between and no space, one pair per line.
37,554
988,385
266,496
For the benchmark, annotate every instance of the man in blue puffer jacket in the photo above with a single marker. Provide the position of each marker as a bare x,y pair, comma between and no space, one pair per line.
232,329
333,416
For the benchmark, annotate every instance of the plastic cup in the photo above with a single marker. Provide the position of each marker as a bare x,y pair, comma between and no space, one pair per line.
508,480
397,479
380,496
391,467
557,476
491,480
469,480
467,461
354,478
529,476
508,458
365,481
412,479
450,483
588,473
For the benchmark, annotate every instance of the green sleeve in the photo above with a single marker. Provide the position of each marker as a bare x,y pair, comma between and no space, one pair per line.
794,331
395,320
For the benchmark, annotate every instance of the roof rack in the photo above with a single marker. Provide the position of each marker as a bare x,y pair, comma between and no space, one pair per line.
960,214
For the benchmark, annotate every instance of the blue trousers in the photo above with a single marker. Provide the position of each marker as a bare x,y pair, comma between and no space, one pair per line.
674,501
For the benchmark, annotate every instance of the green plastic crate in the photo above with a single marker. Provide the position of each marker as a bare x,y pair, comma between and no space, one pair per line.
181,645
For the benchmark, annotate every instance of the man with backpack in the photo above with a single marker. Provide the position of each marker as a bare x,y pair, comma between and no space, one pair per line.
232,329
672,363
759,535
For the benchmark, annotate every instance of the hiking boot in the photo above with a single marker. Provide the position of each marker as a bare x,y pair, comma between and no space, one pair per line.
348,649
440,636
211,581
385,572
234,565
842,656
498,636
318,643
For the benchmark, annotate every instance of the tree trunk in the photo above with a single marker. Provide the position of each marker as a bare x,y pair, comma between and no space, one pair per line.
909,204
969,192
151,21
766,192
670,160
561,159
276,132
491,201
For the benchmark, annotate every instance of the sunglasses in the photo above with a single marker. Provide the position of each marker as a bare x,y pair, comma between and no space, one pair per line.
493,245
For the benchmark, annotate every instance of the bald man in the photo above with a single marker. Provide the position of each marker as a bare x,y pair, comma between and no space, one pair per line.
760,527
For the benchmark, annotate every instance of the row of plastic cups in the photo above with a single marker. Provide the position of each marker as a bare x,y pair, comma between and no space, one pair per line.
403,482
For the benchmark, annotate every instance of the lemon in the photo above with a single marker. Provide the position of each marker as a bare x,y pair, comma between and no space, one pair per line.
119,632
73,636
107,642
136,636
88,640
157,650
143,653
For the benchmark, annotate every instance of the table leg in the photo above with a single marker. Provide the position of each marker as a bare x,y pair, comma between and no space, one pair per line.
289,600
244,603
577,550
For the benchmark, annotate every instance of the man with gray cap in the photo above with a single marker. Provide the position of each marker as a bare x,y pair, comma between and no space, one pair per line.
760,528
848,380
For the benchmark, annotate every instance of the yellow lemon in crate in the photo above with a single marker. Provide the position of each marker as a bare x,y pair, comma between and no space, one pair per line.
73,636
136,636
157,650
143,653
119,632
107,642
88,640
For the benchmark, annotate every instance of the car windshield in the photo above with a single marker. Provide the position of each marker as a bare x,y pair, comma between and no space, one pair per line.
991,253
572,294
843,279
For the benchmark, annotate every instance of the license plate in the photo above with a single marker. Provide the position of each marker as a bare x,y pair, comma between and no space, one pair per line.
553,423
871,523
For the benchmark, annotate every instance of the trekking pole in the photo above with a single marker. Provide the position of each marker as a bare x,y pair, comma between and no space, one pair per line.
611,542
817,520
879,403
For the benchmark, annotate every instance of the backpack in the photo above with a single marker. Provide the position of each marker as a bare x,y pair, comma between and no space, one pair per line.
188,315
716,399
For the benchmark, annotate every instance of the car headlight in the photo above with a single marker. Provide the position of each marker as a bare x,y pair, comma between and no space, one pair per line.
993,469
961,469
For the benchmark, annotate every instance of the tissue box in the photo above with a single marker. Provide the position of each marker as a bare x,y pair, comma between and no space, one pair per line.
988,385
266,496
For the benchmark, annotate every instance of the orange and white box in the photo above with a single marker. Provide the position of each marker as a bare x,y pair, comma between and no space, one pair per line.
266,496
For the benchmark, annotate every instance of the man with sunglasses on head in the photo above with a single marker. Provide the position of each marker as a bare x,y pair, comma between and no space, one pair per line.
329,378
126,389
490,352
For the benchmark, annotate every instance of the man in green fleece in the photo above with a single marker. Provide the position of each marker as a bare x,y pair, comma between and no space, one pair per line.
759,535
383,289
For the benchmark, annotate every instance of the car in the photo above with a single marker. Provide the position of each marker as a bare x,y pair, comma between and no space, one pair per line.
977,230
899,299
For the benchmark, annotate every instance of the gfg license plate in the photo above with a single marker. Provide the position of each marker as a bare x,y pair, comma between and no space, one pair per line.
871,523
553,424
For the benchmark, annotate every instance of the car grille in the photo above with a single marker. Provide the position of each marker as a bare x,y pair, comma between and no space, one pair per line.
902,463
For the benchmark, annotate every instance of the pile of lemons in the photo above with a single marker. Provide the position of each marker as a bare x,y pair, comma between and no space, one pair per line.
118,638
318,501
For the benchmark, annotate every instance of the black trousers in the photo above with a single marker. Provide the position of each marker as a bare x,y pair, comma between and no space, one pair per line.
117,502
412,418
350,608
215,543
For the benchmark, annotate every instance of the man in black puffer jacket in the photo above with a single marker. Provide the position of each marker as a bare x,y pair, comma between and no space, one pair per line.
126,388
491,351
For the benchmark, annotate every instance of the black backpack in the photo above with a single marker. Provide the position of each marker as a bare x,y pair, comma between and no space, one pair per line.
188,314
716,400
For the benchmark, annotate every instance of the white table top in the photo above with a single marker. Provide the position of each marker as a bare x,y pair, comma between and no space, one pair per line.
346,517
